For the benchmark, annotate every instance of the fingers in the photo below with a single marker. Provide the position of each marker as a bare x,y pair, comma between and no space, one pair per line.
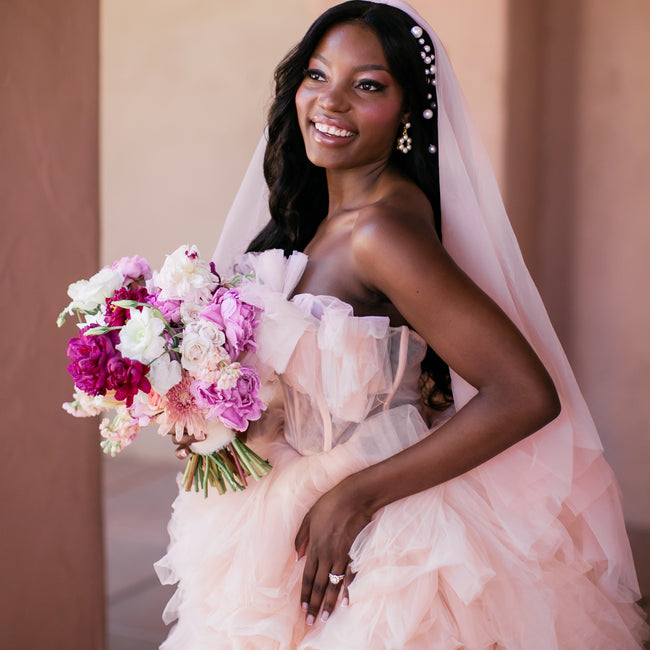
319,591
302,538
182,450
185,440
345,594
308,579
332,590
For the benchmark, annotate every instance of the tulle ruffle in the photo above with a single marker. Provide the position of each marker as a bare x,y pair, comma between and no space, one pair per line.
435,570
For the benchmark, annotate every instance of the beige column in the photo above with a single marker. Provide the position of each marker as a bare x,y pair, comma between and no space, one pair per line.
577,168
611,265
50,514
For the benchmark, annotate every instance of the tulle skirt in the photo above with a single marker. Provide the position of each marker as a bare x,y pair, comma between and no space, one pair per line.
434,570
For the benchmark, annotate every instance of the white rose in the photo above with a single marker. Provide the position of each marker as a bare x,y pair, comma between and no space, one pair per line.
164,374
140,338
190,311
184,276
202,341
89,294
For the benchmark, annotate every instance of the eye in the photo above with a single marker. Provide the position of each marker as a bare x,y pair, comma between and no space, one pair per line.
369,85
314,74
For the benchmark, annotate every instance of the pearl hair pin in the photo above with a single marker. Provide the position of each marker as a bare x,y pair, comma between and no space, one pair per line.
428,56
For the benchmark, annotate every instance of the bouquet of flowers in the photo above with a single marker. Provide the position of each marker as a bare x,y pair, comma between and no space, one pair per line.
169,348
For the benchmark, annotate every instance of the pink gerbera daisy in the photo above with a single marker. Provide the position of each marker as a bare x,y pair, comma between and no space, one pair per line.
181,413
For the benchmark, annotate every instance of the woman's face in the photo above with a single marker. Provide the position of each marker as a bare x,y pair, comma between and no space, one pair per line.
349,104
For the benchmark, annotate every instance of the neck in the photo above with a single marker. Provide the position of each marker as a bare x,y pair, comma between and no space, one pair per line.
350,189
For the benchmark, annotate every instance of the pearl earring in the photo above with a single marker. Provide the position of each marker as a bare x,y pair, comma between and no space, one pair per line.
404,142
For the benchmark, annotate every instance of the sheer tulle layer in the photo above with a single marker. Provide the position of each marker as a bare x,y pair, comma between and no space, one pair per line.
436,570
526,551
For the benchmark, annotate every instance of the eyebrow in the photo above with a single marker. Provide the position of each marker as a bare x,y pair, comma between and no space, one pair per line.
359,68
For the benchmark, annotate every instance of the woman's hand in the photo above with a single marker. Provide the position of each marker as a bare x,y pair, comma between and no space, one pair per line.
325,538
182,450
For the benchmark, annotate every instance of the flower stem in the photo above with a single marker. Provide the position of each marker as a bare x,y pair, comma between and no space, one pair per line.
243,456
206,476
190,472
240,470
226,472
257,466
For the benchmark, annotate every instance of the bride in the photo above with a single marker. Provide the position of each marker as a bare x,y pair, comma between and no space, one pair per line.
437,480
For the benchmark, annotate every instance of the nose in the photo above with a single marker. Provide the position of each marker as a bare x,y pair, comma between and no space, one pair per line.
333,98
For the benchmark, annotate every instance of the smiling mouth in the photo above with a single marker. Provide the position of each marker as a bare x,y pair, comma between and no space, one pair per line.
332,130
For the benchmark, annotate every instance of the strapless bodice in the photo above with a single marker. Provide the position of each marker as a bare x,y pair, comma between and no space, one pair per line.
336,369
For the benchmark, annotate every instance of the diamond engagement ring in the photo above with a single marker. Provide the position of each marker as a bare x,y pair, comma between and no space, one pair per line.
335,578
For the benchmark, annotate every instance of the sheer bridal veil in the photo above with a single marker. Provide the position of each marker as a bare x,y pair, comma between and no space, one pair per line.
556,479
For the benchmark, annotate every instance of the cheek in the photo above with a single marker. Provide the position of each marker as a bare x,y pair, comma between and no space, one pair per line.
383,119
301,102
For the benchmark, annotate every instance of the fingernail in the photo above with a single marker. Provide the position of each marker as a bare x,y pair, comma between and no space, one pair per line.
296,556
310,619
305,606
345,602
324,616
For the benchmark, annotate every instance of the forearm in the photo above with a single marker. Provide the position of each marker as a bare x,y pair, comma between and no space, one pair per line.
484,427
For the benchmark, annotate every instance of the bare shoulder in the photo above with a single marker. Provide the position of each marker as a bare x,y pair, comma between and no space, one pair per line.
393,232
404,209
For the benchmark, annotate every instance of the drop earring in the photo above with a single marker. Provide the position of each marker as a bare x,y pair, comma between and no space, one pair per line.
404,142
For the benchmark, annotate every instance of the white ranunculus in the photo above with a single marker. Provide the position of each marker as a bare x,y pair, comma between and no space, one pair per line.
202,341
89,294
140,338
164,374
184,276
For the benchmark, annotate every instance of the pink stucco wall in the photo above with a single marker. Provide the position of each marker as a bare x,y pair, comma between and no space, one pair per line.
50,511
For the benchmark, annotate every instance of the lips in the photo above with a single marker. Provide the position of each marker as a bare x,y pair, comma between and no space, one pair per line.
331,131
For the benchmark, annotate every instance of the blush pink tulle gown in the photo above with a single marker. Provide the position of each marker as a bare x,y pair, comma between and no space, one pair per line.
491,559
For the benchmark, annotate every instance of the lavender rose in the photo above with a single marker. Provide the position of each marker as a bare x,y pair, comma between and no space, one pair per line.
89,356
236,318
234,407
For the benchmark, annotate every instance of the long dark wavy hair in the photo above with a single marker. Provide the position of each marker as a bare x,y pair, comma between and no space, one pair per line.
298,197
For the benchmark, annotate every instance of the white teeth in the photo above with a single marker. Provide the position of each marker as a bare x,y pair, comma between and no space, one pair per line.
332,130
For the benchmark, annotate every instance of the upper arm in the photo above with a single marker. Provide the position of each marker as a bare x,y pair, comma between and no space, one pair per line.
401,256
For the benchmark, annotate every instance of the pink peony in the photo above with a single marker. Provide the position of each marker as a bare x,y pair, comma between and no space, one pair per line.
234,407
235,317
126,377
170,309
117,316
136,267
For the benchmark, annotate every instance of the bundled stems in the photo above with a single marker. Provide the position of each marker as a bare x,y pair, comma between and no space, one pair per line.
226,468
